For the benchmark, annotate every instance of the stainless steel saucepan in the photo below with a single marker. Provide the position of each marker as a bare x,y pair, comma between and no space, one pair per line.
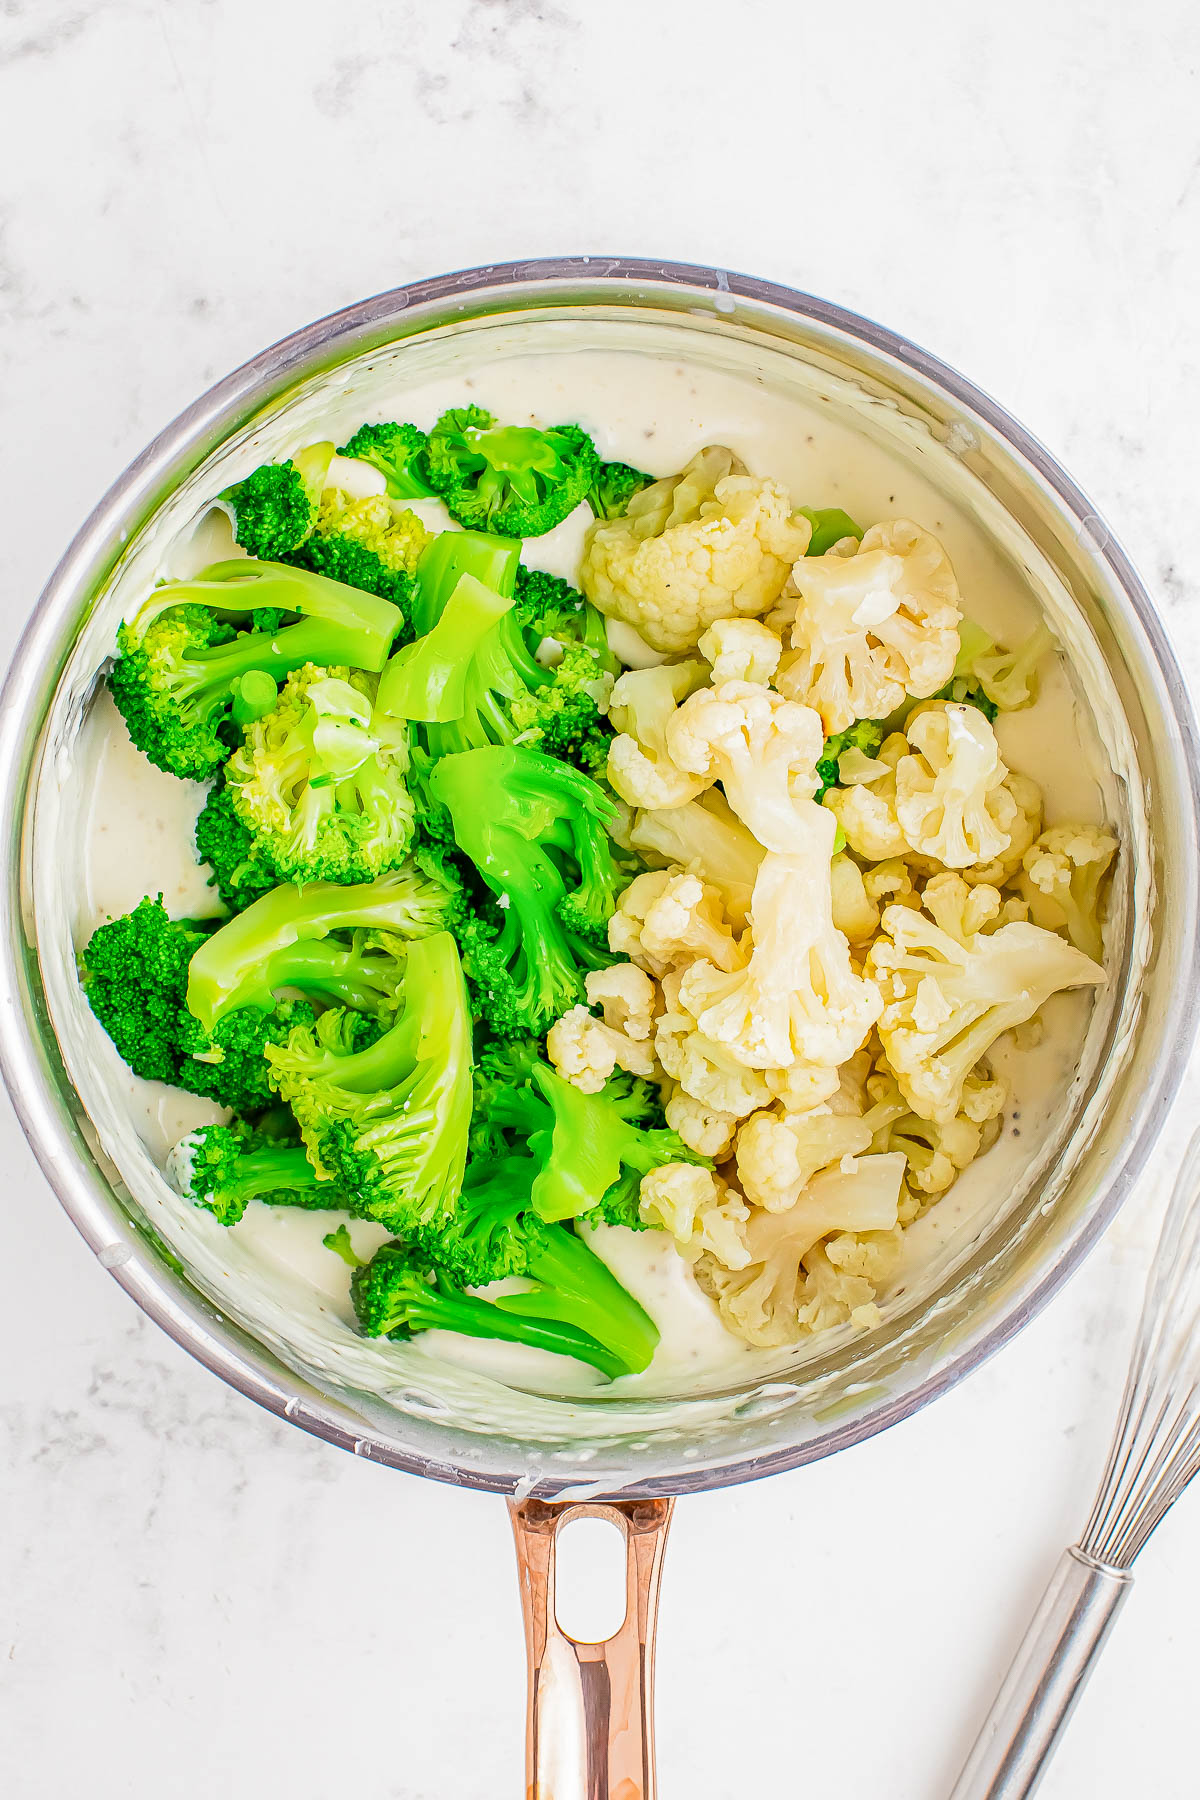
590,1716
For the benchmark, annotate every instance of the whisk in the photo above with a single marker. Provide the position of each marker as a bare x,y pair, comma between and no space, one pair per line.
1155,1452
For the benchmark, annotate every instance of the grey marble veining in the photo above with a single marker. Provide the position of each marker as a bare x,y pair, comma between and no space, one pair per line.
194,1598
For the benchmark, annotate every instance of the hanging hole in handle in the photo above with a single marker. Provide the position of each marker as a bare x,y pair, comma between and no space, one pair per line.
589,1580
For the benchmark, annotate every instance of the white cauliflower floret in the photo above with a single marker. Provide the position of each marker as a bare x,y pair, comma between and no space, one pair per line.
641,703
705,836
586,1051
842,1277
798,998
703,1069
771,1298
936,1154
854,912
1062,880
741,650
708,544
666,917
951,802
1027,822
702,1214
873,627
703,1128
762,749
949,988
778,1155
866,812
891,880
626,996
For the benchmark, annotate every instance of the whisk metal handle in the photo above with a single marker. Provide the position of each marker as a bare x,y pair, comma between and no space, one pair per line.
1045,1680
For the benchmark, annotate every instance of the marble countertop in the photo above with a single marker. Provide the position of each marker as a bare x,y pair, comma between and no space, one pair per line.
196,1599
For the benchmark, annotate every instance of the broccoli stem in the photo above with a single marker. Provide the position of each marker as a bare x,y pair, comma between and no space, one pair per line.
427,680
254,695
443,1308
829,526
575,1286
247,952
452,554
338,624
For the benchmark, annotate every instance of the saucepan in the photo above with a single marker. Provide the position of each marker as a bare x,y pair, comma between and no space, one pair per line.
626,1459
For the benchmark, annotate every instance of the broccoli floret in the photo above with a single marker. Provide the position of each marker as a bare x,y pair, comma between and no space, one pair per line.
586,1145
398,452
966,692
135,974
865,735
224,1167
503,693
390,1122
283,940
613,488
275,507
241,874
401,1291
372,544
536,831
427,680
511,479
175,678
340,1242
829,526
318,784
549,607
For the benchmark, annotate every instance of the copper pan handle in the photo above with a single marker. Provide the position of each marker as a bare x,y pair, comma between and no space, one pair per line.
590,1723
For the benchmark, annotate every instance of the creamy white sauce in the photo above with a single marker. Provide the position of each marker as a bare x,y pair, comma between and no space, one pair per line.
109,829
141,821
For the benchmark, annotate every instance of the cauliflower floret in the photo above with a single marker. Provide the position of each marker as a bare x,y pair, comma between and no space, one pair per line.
842,1277
707,544
1027,822
854,912
642,701
705,836
892,881
872,627
798,998
703,1128
936,1154
586,1051
666,917
1062,879
866,812
702,1214
626,996
779,1155
951,802
949,988
770,1298
762,749
703,1069
741,650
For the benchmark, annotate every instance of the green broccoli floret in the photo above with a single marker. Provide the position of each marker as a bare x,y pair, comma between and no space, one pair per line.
275,507
512,479
427,679
586,1145
865,735
548,606
318,783
966,692
283,940
401,1291
135,975
536,831
372,544
390,1122
224,1167
398,452
502,693
240,872
829,526
613,488
180,660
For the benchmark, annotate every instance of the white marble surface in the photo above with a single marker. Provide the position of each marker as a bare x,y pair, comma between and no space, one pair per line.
195,1599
